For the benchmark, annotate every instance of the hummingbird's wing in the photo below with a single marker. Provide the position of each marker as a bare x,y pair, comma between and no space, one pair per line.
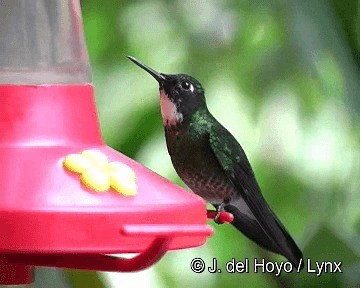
236,166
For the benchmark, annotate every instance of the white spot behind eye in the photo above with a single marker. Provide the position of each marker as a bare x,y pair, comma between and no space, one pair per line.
191,88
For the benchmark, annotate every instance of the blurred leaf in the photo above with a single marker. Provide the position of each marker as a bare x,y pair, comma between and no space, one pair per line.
145,125
325,245
336,248
79,278
348,13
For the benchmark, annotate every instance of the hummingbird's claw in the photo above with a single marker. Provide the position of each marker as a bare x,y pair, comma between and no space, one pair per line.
219,209
216,218
220,217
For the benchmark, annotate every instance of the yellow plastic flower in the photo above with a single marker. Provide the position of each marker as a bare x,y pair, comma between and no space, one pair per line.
95,179
100,175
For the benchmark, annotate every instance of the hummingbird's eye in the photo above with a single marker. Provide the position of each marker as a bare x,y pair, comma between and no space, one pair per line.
185,85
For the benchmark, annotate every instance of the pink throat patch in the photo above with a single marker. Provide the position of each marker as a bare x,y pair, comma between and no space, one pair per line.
169,112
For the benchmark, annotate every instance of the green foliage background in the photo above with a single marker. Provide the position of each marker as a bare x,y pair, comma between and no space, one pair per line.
283,77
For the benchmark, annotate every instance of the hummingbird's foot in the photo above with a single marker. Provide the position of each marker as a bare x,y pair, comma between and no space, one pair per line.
223,216
216,219
219,209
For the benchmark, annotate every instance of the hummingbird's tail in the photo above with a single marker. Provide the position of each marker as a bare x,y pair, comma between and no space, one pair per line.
253,230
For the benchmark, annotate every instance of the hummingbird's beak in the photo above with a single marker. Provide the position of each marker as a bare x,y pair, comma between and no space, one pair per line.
158,76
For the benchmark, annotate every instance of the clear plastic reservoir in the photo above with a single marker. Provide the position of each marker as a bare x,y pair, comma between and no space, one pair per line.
42,42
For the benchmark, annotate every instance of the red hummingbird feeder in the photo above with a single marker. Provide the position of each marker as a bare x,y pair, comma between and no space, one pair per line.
66,199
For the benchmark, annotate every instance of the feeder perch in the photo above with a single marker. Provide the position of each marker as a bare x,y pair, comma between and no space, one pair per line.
66,199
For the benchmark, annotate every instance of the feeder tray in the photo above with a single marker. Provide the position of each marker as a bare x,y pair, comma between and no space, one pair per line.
50,218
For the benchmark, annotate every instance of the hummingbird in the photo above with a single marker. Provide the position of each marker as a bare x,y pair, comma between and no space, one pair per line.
211,162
